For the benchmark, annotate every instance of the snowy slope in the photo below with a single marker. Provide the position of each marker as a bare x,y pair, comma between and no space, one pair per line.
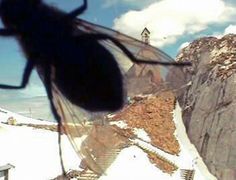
133,164
34,153
5,114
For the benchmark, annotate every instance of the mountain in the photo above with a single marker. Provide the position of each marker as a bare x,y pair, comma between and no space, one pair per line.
150,127
208,102
146,139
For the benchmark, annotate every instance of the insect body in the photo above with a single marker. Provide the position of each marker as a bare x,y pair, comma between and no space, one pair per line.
71,55
50,38
47,38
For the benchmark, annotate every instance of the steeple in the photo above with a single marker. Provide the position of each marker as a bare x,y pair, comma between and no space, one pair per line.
145,35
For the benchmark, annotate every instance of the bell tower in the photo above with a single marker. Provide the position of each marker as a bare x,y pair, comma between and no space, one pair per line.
145,35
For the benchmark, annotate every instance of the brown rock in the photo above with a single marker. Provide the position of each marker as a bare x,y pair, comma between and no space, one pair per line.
209,103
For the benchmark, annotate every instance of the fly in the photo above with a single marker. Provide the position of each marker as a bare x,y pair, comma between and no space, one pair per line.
74,58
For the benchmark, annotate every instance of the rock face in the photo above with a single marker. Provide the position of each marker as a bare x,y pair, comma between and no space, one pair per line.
209,102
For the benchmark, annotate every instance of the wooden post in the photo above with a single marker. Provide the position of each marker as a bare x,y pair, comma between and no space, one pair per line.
4,171
6,175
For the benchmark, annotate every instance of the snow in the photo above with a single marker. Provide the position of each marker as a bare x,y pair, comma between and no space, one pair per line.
142,134
5,114
190,159
120,124
133,164
34,153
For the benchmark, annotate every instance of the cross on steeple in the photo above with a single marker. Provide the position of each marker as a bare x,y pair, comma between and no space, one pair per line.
145,35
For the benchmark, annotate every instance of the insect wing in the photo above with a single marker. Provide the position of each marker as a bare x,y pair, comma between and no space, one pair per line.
140,78
96,144
93,138
132,44
76,126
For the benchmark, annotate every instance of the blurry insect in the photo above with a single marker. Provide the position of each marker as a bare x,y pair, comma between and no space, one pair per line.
73,57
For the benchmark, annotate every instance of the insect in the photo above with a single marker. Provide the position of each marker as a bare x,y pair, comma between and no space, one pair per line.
74,58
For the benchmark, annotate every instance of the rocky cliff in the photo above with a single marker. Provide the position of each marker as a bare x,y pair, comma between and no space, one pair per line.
209,102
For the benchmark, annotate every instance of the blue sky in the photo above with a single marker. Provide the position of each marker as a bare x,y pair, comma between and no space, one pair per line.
172,23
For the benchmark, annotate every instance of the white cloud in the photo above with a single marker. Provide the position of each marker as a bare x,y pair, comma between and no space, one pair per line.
230,29
183,45
167,20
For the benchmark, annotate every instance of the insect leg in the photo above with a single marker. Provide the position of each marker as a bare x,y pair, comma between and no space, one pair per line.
28,69
128,53
7,32
48,86
78,10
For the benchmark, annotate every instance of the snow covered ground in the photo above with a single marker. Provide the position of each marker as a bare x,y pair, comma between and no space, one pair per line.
5,114
133,164
34,153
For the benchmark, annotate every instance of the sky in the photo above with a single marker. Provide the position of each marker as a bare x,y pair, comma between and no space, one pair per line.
173,24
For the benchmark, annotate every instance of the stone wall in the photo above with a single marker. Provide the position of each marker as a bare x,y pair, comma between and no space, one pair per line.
209,102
